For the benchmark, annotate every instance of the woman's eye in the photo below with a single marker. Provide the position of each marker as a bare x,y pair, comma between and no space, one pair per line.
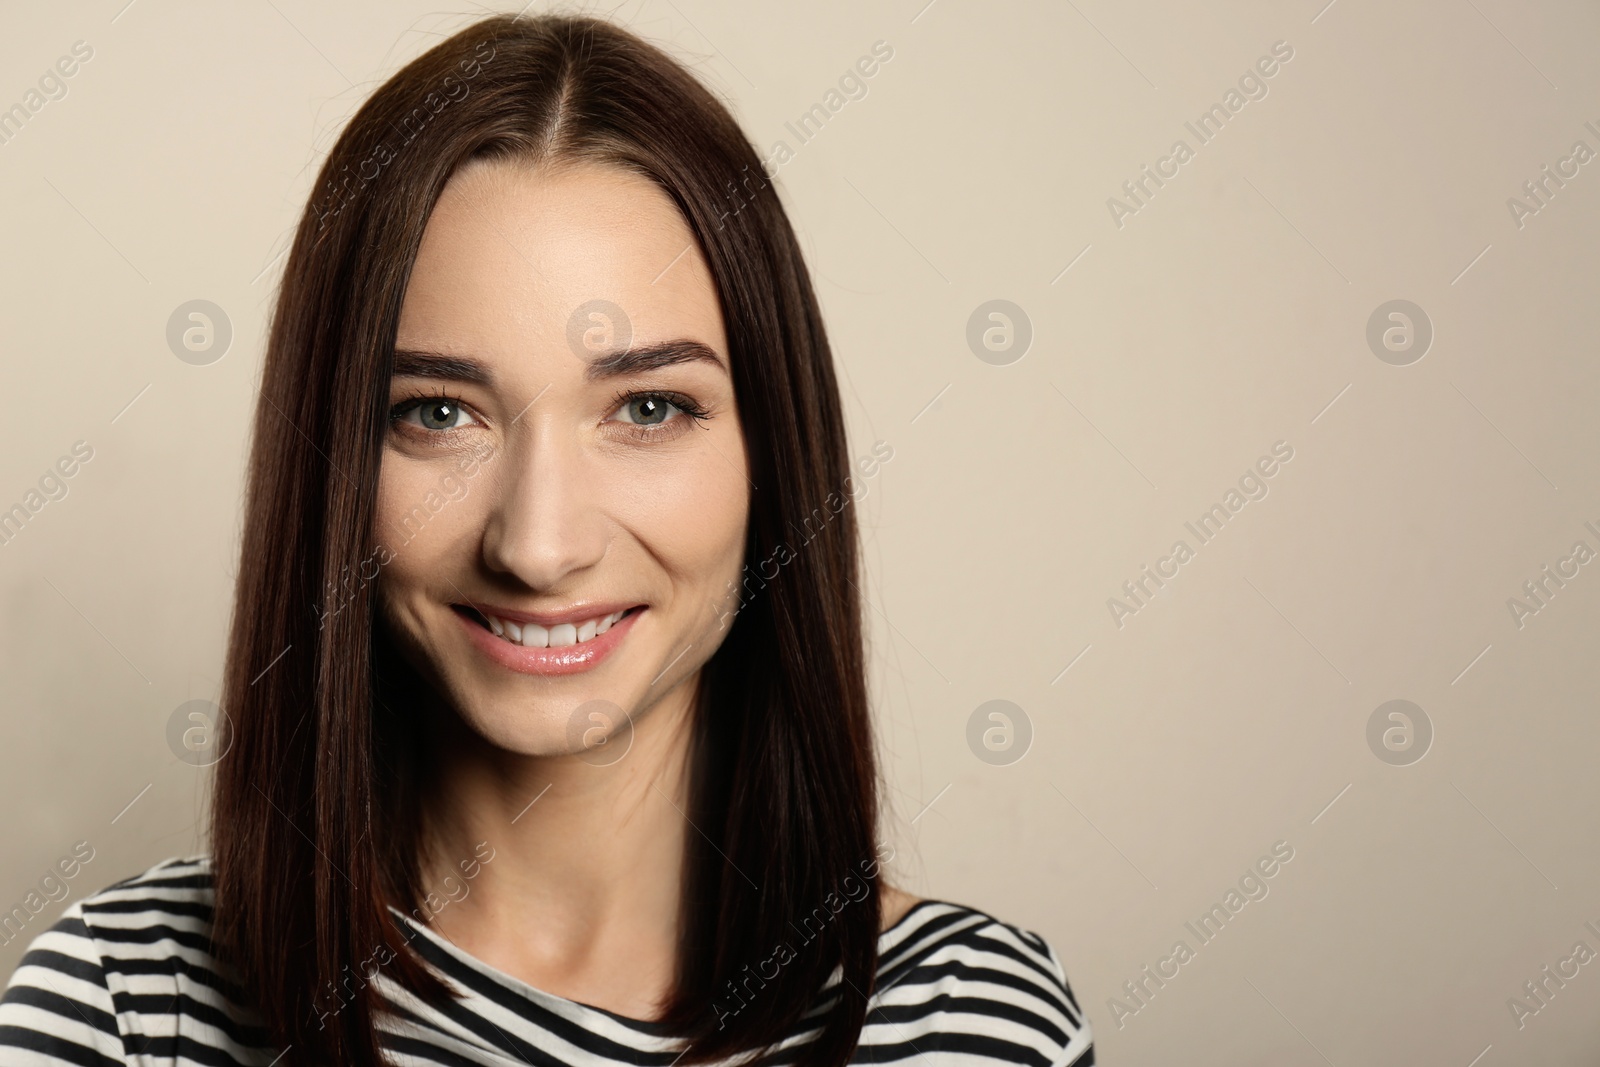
436,414
647,410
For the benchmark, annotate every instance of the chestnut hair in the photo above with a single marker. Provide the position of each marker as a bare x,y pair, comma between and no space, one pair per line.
315,822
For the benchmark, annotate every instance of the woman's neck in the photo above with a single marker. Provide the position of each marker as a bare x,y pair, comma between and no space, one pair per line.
577,882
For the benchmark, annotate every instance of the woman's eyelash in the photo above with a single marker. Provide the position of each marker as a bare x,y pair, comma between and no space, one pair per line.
688,405
417,398
685,404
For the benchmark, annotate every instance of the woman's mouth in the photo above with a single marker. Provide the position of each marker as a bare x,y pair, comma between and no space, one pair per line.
532,635
563,648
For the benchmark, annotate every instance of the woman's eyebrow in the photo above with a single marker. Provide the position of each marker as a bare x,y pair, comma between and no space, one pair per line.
413,363
409,363
640,358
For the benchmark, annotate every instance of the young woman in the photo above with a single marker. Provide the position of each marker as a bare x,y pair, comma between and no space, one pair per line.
548,738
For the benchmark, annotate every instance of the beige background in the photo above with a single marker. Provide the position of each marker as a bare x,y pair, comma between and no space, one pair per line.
1228,314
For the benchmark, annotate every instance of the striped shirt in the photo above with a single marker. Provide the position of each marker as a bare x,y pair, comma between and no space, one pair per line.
124,977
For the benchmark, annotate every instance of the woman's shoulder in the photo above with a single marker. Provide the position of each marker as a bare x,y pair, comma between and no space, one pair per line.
173,899
988,987
177,876
168,905
108,981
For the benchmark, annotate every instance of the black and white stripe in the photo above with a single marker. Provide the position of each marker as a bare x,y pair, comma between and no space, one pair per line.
124,977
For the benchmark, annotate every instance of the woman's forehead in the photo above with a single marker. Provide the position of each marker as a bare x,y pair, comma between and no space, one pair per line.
512,253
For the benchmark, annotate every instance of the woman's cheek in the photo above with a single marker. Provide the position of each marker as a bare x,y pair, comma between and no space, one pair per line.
718,505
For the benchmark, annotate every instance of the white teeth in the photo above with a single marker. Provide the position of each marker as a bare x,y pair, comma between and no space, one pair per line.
532,635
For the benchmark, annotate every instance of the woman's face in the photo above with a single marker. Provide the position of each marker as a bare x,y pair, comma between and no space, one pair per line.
563,493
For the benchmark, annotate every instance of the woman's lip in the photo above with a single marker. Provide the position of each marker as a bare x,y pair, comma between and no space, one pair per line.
568,659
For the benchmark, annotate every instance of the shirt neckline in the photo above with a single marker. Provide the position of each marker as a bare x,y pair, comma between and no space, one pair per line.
886,940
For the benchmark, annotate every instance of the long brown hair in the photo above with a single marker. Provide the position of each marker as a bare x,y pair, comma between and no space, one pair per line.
314,827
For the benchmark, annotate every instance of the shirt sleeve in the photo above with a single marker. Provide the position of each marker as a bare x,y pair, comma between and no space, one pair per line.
1079,1051
57,1008
986,993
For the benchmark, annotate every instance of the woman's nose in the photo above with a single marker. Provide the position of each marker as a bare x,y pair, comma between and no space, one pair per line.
546,522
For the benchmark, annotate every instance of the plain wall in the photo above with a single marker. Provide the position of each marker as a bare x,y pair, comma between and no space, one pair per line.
1172,746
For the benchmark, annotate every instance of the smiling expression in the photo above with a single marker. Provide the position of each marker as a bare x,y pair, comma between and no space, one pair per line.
590,550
